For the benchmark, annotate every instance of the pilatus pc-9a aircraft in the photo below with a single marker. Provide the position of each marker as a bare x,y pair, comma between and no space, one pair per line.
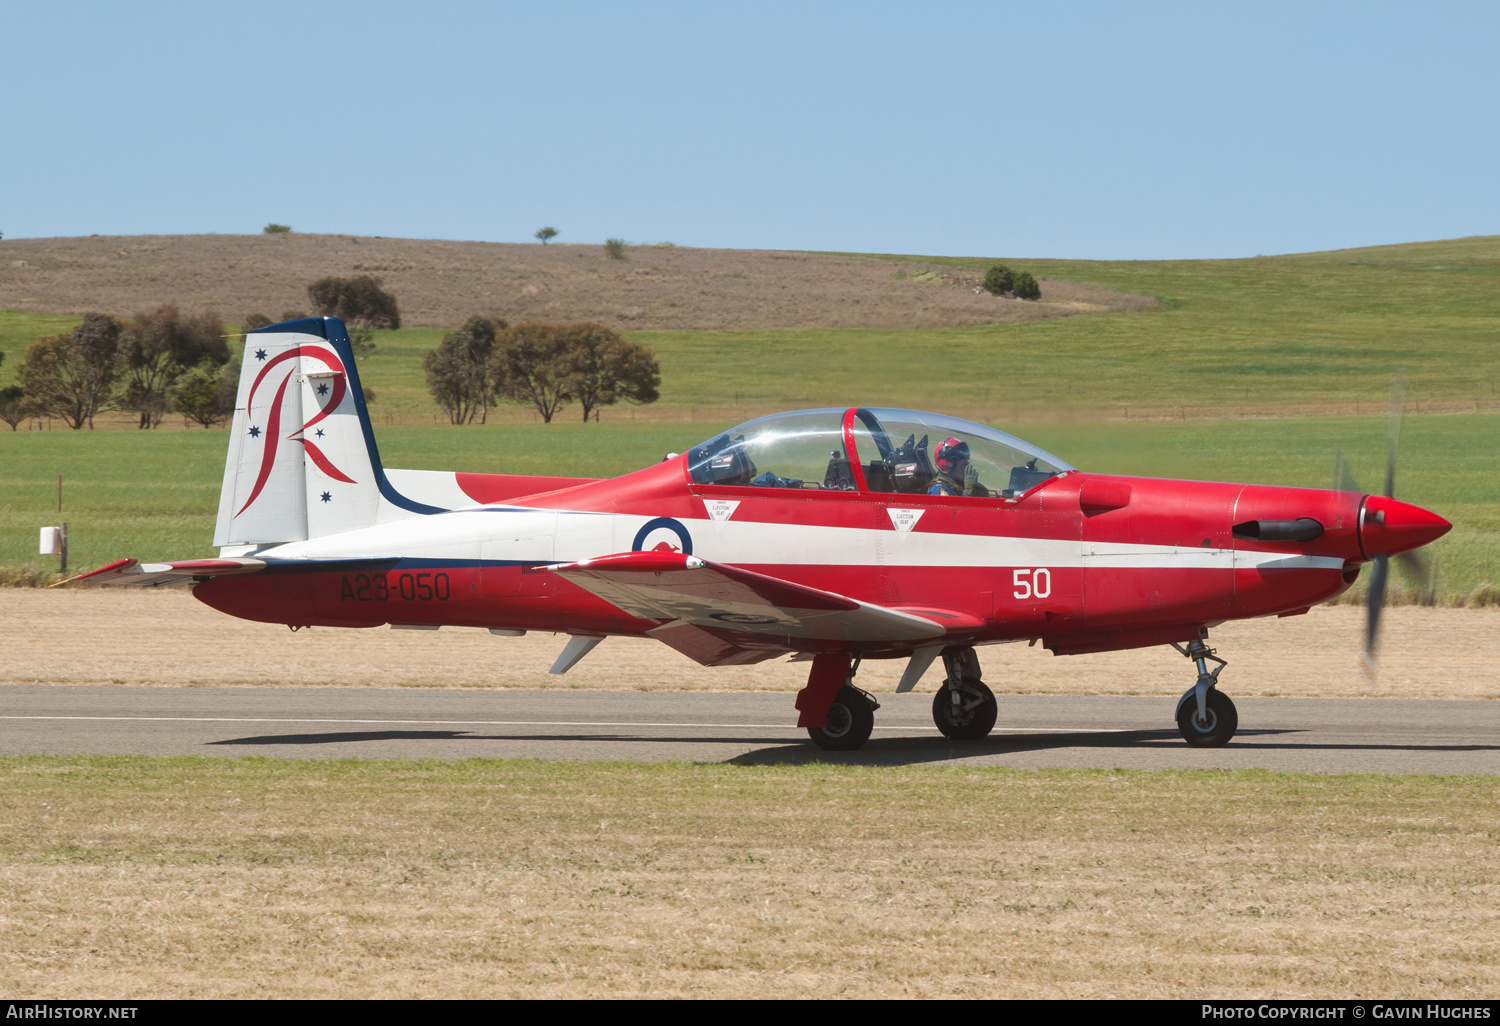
832,536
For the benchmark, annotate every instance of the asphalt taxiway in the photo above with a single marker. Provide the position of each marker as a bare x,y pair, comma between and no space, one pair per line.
1033,731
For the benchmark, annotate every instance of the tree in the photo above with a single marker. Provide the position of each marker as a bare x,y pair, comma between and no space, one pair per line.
1025,286
14,406
256,320
71,375
277,229
531,365
459,370
999,280
604,368
361,303
208,398
546,233
615,248
156,349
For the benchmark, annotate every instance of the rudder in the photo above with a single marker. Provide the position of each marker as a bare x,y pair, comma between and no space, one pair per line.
302,460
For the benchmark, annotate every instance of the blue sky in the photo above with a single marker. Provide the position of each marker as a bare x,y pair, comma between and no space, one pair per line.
1040,129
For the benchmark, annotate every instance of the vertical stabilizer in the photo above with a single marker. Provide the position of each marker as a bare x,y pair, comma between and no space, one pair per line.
301,455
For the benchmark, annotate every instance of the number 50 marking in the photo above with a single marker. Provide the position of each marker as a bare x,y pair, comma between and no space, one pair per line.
1031,583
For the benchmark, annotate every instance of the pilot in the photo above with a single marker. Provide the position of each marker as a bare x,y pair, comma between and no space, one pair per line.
956,475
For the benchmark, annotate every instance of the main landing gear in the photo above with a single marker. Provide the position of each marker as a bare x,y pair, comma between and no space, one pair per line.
1206,717
839,716
847,713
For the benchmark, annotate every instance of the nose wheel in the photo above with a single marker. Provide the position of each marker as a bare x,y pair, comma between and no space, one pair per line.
964,708
1206,718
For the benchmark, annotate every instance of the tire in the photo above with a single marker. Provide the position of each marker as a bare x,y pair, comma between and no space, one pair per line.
851,718
973,719
1223,721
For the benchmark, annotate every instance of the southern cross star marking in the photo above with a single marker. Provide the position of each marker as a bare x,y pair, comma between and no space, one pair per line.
320,432
254,431
327,496
260,354
323,389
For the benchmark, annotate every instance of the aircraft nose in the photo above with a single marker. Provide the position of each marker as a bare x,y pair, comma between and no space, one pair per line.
1389,526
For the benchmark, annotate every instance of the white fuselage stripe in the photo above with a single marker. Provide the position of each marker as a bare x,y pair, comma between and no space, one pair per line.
551,536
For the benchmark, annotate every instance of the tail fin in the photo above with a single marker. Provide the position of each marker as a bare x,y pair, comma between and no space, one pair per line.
302,457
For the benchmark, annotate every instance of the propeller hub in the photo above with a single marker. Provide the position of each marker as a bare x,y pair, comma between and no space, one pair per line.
1388,526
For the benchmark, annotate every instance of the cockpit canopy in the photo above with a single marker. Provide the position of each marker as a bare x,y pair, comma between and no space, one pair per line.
868,449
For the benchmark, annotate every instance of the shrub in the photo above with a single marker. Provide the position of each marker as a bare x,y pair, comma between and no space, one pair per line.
459,373
159,347
545,234
1025,286
277,229
531,365
14,407
359,300
291,315
615,248
72,374
603,368
256,320
999,280
209,398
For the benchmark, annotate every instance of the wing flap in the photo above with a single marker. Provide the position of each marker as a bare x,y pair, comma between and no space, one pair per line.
687,590
134,573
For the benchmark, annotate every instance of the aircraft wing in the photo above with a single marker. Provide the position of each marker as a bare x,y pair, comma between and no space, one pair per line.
154,575
703,605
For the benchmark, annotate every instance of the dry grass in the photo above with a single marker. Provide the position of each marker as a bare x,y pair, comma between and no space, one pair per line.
167,637
246,878
440,283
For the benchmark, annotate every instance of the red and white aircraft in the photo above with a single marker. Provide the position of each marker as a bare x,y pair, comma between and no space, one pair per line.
823,534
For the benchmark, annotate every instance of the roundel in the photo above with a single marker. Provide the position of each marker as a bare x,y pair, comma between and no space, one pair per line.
663,535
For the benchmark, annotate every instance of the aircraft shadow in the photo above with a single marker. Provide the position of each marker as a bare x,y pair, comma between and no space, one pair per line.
893,751
900,751
346,737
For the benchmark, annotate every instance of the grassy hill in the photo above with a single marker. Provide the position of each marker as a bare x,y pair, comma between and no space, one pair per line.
1311,333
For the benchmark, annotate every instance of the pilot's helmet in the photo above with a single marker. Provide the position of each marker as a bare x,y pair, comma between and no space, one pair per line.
950,454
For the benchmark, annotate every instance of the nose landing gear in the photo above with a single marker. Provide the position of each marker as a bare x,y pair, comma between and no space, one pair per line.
1206,717
964,708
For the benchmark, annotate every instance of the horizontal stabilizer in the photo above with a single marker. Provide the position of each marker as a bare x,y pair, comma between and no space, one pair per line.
678,588
154,575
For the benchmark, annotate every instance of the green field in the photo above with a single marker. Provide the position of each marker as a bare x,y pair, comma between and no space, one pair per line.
1296,334
153,495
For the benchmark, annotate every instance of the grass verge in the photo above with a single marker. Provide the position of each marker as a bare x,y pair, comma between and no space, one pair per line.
192,877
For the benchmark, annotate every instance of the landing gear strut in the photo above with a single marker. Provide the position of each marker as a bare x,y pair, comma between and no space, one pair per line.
1206,717
851,712
964,708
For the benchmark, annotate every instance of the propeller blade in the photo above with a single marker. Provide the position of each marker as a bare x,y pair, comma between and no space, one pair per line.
1421,569
1398,407
1374,604
1343,477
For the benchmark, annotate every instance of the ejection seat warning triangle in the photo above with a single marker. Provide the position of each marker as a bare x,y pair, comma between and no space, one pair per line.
720,510
904,520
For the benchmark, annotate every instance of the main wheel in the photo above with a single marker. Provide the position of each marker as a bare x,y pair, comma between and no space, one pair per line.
851,718
971,717
1216,729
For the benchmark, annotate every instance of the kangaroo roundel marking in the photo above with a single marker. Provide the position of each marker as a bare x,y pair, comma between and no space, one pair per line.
663,534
